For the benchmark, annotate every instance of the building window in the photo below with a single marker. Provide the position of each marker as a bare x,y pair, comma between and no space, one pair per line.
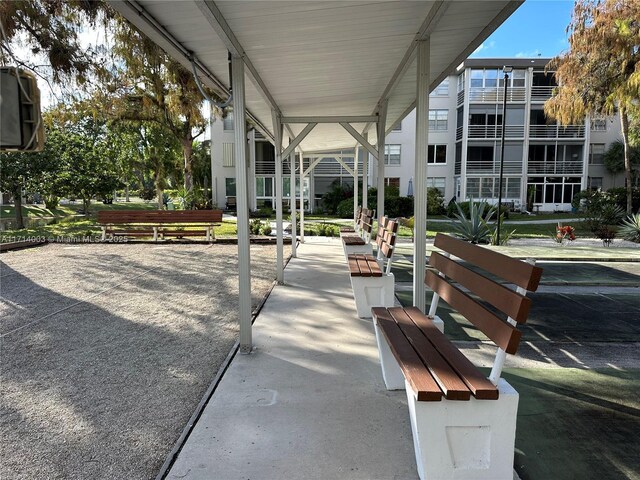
264,187
228,155
392,182
461,82
437,154
230,186
487,187
596,154
599,124
398,127
553,190
438,120
437,182
595,183
392,154
441,90
227,122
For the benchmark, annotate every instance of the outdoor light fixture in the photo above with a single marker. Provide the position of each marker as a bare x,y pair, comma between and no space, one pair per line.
506,70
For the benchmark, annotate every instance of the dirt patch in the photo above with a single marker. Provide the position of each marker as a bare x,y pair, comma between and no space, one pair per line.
105,351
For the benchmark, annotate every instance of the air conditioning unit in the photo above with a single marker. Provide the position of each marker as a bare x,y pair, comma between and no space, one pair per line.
21,126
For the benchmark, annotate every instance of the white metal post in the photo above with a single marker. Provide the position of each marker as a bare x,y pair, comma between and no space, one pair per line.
381,125
242,205
302,197
292,197
277,131
214,193
365,175
420,175
356,150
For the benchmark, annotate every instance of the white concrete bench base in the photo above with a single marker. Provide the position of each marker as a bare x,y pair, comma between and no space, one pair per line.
391,371
367,249
371,292
462,440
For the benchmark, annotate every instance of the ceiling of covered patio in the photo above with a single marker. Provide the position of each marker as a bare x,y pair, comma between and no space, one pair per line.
319,58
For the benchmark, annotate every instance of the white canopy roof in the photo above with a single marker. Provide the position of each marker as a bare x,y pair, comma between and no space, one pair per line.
319,58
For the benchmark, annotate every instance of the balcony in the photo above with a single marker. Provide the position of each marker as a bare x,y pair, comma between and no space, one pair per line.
556,131
460,97
541,94
496,95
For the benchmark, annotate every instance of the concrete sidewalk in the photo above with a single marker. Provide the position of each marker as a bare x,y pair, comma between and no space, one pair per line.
309,402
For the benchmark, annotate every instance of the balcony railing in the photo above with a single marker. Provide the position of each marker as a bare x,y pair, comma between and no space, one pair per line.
556,131
541,94
495,131
460,97
554,168
495,95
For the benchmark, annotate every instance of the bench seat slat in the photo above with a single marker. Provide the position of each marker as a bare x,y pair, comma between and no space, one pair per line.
503,334
353,240
513,270
414,371
479,385
361,265
504,299
444,375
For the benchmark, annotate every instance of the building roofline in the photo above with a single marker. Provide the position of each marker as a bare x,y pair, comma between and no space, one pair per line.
538,62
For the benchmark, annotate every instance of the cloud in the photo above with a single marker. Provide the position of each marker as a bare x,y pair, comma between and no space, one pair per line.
530,54
484,47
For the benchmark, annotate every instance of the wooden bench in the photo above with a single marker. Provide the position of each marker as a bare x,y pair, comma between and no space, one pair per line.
360,243
355,222
463,423
372,282
159,223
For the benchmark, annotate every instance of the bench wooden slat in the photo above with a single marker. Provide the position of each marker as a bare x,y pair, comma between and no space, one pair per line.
504,299
444,375
387,251
353,240
503,334
353,264
479,385
421,382
510,269
363,266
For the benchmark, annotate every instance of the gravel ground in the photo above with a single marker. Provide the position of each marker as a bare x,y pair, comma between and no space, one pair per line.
105,351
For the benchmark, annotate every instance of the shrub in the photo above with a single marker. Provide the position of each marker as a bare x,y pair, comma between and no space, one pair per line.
398,206
336,194
435,202
345,208
630,229
474,229
619,196
254,226
326,230
266,228
263,212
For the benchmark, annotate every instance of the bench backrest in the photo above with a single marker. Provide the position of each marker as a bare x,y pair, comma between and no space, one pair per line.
366,223
158,216
448,275
386,241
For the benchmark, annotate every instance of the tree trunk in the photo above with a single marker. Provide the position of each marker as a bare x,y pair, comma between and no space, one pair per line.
159,190
187,151
85,205
17,201
126,193
624,122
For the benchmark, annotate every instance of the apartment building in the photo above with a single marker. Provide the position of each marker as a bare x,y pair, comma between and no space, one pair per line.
545,164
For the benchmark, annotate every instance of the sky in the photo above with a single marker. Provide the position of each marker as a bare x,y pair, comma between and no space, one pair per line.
537,28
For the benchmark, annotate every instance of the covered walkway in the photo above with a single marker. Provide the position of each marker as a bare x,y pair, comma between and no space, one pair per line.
309,402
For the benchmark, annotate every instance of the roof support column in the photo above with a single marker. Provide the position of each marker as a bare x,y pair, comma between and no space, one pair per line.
277,131
381,125
292,198
302,197
356,151
365,176
244,259
420,174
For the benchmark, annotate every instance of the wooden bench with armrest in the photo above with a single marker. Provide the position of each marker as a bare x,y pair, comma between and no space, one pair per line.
360,242
352,230
372,282
159,223
463,423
